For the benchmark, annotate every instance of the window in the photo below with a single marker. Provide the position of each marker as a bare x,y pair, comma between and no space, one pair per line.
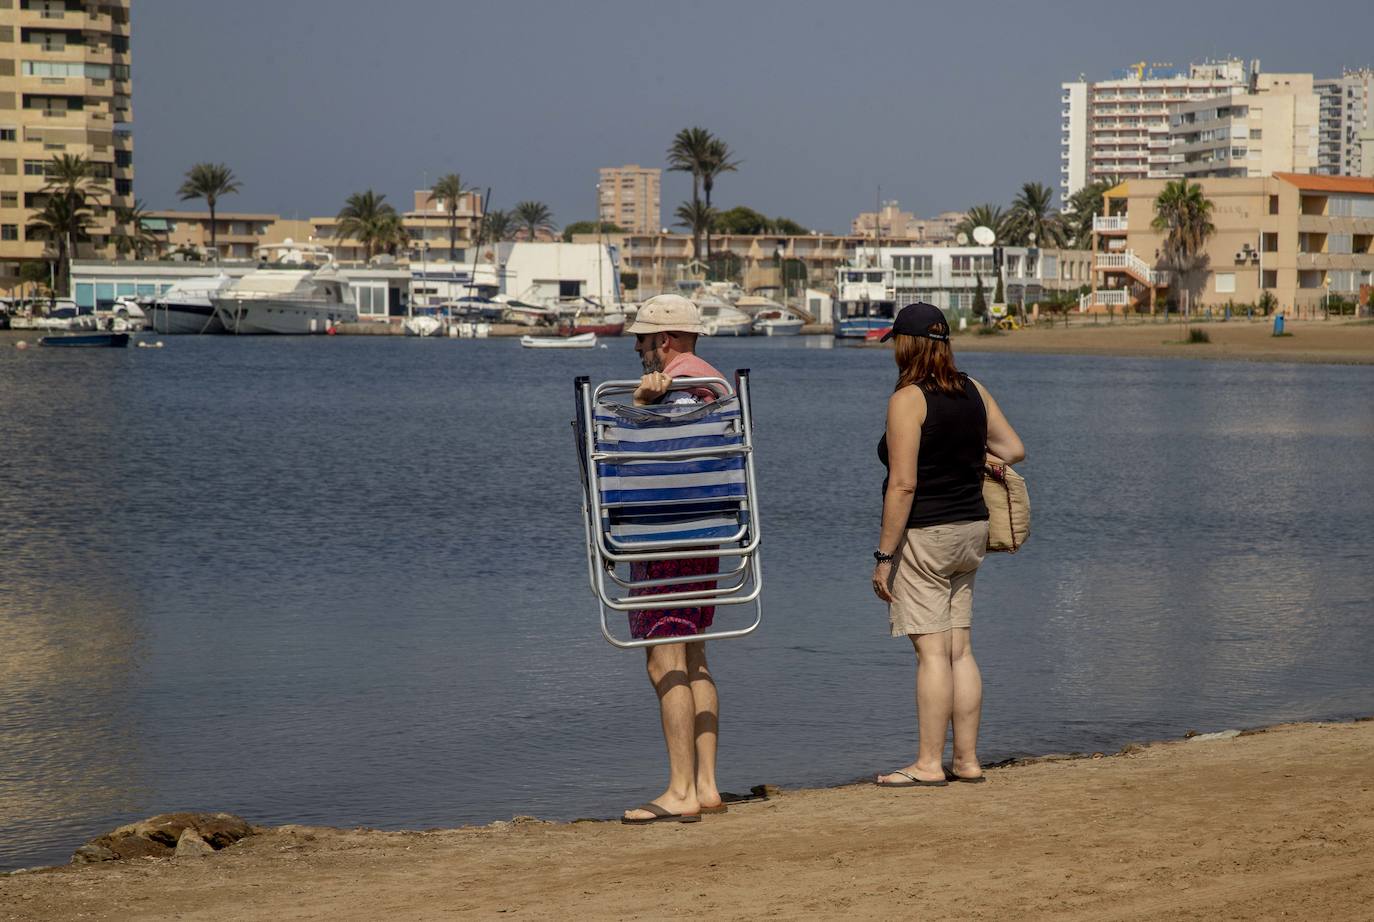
9,199
569,288
1274,207
35,167
9,134
1226,282
124,187
9,231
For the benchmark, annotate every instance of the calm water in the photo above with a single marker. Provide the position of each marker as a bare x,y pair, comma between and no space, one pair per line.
341,580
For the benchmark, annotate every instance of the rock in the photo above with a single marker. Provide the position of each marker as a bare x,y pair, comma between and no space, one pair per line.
90,853
160,836
191,845
1131,749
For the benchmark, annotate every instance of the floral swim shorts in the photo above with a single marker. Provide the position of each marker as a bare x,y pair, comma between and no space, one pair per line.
672,622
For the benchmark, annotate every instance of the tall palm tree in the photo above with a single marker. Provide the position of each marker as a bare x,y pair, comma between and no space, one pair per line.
690,149
131,237
1032,212
449,190
533,217
1184,214
990,216
719,159
367,218
209,181
64,220
74,176
697,216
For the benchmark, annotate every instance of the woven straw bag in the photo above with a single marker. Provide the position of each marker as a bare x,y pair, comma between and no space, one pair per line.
1008,504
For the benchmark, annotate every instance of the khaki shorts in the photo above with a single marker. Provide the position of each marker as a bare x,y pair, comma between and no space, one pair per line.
932,579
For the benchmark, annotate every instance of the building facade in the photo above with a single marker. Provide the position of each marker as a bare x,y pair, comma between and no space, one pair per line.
1271,129
1297,237
630,198
1347,110
1119,128
890,221
64,89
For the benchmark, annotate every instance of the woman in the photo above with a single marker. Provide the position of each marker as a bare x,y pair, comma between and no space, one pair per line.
941,425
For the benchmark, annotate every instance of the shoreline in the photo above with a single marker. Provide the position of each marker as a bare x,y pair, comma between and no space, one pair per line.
1221,826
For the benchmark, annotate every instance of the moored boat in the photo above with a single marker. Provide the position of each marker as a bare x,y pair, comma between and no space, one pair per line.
581,341
864,302
115,340
186,306
607,324
423,325
286,301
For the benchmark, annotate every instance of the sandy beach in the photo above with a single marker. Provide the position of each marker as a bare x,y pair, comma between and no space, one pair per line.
1347,342
1269,824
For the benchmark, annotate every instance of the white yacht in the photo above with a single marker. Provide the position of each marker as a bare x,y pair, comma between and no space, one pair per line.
286,301
720,319
186,307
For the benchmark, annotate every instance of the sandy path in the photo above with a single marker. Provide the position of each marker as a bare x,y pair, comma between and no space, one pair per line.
1339,342
1267,825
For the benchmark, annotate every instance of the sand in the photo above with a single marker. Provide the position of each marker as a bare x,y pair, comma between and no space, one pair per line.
1346,342
1273,824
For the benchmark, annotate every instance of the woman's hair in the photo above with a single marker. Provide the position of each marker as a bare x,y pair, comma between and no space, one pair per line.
927,363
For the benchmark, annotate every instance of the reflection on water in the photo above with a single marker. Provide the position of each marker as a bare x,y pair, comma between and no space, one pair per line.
341,581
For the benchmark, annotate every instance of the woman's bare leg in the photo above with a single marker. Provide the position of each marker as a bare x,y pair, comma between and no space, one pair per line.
968,703
934,703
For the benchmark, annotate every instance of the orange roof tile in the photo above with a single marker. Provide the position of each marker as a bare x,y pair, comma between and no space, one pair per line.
1313,183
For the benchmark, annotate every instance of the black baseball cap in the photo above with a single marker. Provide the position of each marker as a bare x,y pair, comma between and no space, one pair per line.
919,319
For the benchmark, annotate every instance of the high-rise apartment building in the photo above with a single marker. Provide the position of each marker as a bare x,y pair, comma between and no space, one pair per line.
1119,128
64,89
628,197
1271,129
1347,109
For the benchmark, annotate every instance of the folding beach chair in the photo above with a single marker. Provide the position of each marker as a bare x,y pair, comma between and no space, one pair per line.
671,481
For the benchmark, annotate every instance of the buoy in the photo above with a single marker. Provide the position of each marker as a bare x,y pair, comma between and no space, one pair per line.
332,331
21,345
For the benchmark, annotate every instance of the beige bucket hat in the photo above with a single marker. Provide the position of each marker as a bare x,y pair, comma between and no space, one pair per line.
667,314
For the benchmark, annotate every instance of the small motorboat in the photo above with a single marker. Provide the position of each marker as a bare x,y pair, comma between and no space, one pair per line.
580,341
423,325
116,340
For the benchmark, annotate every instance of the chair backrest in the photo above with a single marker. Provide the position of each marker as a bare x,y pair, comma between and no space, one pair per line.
664,496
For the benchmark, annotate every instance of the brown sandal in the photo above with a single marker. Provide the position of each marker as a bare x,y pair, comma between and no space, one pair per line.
660,815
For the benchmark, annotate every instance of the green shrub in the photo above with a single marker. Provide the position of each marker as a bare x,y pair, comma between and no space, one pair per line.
1198,336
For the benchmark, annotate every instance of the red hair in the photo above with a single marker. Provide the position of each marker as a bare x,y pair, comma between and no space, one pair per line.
927,363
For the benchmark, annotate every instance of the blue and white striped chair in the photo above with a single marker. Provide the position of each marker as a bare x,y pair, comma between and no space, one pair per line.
673,480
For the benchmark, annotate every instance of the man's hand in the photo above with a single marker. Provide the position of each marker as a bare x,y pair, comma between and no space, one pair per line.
651,387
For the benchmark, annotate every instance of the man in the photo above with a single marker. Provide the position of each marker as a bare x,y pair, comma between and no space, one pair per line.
666,330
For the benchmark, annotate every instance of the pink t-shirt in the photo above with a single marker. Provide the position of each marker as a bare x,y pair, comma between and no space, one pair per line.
690,365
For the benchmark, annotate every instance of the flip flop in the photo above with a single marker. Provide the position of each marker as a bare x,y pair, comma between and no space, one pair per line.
660,816
960,779
756,793
911,782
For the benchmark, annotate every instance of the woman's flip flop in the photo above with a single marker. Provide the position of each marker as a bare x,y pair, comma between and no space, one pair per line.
660,816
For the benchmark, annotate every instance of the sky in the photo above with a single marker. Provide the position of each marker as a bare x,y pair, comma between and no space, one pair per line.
939,106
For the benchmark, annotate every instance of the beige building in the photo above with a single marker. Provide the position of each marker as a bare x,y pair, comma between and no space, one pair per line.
1296,236
426,224
890,221
64,89
237,234
1271,129
629,197
1347,111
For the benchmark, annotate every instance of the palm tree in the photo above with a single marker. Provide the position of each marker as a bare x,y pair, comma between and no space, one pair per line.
690,149
1083,206
1032,212
449,190
1184,214
534,217
131,237
719,159
73,175
367,218
990,216
497,226
696,215
64,220
209,181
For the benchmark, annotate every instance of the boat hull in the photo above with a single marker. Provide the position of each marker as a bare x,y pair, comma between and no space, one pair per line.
600,329
860,327
581,341
778,328
256,316
87,340
742,328
170,317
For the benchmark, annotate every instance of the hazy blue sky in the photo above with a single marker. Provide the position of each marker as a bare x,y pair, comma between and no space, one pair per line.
943,105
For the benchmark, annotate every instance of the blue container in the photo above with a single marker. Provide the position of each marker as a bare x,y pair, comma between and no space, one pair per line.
1278,324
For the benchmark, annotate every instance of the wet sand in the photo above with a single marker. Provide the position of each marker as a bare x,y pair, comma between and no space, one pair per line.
1345,342
1277,823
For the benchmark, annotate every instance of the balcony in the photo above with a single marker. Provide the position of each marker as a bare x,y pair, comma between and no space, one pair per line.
1116,224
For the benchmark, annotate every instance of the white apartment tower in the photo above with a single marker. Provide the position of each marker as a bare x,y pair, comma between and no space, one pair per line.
1347,109
1120,127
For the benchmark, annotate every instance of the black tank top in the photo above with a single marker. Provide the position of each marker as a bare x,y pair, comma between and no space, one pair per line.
949,468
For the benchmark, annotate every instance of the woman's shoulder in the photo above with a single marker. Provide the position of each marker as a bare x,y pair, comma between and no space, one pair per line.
907,394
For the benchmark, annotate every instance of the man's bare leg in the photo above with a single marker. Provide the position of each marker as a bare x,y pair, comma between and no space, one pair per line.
707,724
667,665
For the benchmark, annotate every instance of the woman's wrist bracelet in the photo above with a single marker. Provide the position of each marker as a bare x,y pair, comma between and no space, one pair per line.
883,558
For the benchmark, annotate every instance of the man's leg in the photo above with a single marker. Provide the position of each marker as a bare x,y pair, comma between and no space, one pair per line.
667,665
707,724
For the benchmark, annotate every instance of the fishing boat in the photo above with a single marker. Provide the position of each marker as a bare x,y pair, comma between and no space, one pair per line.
580,341
865,301
115,340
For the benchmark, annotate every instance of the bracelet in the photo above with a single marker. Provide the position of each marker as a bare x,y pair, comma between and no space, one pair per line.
883,558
